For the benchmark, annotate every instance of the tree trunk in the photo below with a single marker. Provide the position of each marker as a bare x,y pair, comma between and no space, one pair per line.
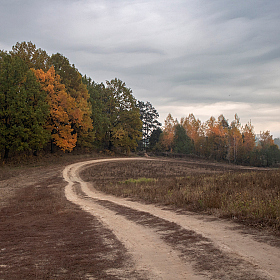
6,154
51,145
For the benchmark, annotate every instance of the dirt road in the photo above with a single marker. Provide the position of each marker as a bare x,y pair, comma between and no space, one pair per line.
169,245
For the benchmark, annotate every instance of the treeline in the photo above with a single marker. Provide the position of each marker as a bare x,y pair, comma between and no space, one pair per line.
216,139
45,103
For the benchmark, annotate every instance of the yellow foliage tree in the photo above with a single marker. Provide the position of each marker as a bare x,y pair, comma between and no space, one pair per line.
167,138
63,110
249,142
72,79
195,130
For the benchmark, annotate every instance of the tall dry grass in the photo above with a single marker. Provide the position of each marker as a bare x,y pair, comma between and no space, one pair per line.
251,197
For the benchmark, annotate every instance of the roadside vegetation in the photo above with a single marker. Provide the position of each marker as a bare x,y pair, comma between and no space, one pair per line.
250,197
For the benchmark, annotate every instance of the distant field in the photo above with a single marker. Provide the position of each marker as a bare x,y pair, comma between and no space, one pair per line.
249,196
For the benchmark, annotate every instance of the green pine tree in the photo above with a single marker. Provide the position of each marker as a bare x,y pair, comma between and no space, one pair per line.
23,107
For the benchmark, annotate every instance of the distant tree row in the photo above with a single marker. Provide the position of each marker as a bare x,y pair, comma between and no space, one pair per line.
216,139
45,103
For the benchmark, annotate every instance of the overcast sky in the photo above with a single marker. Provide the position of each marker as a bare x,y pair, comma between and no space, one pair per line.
206,57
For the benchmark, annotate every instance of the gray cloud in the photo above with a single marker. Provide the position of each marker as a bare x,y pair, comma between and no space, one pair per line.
180,55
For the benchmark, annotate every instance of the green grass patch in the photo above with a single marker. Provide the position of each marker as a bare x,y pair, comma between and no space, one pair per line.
138,181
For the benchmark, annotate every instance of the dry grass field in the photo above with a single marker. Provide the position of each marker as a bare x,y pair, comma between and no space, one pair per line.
250,196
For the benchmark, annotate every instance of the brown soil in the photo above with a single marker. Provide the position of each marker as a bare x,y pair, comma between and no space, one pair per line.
44,236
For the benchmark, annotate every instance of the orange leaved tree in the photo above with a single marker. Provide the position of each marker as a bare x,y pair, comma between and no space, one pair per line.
167,138
195,130
63,110
74,86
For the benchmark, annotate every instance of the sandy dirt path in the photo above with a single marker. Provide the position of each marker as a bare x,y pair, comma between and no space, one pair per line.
216,249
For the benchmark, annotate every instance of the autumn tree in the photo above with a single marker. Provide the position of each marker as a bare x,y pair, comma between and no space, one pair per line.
64,111
72,79
23,107
266,139
219,140
249,143
167,138
216,132
195,130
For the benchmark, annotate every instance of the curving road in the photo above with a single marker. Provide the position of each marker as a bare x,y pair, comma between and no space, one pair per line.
168,245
